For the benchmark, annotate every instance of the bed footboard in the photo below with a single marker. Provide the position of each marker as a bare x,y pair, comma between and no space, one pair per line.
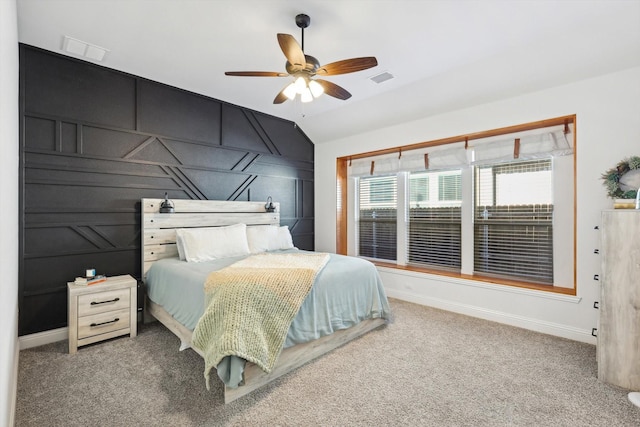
290,358
296,356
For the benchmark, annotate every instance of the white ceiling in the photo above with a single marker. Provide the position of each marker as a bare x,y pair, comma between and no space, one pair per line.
444,54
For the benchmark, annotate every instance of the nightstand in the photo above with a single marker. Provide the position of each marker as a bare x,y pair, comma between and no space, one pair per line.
101,311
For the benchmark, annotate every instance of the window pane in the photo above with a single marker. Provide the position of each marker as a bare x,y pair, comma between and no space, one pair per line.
377,217
449,187
419,190
434,219
513,233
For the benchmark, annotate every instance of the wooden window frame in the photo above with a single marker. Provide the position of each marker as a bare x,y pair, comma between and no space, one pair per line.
342,165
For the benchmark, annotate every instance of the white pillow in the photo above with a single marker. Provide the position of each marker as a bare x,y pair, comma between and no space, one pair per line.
261,237
205,244
180,246
283,240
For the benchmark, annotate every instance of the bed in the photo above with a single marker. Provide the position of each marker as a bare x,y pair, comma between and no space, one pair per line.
176,296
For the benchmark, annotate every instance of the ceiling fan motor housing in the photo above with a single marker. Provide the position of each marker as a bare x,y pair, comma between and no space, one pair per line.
311,66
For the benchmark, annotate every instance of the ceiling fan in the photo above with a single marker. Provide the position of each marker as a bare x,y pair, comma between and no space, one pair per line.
304,69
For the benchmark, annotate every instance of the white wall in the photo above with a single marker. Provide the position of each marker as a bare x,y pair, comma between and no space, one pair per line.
9,198
608,130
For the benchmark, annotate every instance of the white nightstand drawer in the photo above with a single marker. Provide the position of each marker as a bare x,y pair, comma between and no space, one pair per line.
103,322
104,301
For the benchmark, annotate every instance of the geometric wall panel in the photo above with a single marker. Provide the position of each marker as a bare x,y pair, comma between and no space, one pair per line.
216,185
198,155
109,143
51,308
282,190
284,133
240,131
155,150
52,80
170,111
68,137
40,134
95,141
307,206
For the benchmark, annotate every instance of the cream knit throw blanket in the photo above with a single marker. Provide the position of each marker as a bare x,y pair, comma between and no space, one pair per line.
250,306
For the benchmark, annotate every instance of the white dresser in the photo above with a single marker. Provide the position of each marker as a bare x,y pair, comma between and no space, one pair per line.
619,330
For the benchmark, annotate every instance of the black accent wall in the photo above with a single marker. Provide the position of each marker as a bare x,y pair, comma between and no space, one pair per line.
94,141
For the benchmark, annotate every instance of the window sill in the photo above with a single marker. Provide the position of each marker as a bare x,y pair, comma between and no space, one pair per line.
494,283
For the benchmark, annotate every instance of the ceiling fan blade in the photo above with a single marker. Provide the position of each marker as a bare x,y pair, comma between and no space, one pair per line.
334,90
280,97
255,74
347,66
292,50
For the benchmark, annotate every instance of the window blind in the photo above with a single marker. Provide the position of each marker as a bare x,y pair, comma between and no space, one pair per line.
513,221
377,221
434,232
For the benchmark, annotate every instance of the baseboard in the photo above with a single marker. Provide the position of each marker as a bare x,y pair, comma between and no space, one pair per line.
13,377
537,325
42,338
14,385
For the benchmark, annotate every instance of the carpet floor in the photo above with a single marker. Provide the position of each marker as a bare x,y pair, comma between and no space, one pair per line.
427,368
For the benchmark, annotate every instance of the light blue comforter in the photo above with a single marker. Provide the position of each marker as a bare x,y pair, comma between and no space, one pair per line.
346,291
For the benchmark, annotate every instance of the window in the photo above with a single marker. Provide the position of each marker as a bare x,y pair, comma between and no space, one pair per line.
419,190
377,217
434,219
500,209
449,188
513,221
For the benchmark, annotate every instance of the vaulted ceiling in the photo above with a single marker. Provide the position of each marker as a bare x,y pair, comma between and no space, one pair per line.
443,54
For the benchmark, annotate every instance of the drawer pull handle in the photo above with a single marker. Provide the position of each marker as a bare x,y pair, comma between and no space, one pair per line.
104,302
104,323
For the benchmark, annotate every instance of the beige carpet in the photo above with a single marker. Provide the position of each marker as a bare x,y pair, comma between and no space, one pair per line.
429,368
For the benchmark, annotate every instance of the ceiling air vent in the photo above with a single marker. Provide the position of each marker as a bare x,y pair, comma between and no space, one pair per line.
382,77
84,49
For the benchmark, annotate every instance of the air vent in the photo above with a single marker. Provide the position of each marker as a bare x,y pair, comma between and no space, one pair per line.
84,49
382,77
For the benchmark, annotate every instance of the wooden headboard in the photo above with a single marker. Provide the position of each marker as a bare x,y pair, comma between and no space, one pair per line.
158,229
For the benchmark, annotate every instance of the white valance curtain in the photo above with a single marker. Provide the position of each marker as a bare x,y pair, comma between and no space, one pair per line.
450,156
551,143
537,144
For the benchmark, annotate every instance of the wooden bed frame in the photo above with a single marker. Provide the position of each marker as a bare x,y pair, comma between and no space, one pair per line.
159,241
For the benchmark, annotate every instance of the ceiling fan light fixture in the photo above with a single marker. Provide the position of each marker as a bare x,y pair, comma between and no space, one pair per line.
306,96
315,88
301,85
290,91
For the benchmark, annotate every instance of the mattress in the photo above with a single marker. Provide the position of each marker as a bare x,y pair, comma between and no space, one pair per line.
346,291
